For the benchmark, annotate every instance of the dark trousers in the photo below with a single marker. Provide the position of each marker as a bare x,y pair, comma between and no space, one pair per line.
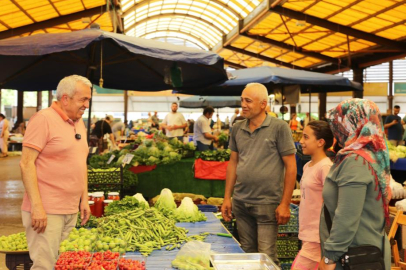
204,147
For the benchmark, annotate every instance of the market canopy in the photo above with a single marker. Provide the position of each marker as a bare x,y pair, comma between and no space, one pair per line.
39,62
275,78
215,102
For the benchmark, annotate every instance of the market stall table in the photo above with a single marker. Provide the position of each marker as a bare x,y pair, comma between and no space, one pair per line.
161,259
179,178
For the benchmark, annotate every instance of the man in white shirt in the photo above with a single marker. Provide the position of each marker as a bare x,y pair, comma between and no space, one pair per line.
174,123
202,131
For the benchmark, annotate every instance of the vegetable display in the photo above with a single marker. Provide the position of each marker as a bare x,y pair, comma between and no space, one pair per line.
216,155
80,240
188,212
91,223
223,138
166,203
142,202
396,152
128,203
144,230
14,242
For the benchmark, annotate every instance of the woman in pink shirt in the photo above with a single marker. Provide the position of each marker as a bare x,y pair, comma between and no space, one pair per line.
317,138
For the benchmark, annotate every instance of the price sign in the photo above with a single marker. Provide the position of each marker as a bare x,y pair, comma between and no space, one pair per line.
111,159
127,159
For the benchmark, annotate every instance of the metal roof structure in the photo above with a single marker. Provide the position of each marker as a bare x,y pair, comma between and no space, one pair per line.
27,17
329,36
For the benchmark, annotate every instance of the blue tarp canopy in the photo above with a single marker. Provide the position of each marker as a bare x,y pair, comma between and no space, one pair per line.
273,77
40,61
215,102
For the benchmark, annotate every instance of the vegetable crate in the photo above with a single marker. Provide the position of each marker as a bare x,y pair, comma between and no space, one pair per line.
287,247
286,264
231,227
105,180
18,261
293,225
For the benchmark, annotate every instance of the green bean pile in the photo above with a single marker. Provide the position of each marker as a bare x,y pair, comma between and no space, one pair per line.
145,230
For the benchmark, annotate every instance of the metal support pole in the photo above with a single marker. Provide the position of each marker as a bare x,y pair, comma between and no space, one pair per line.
390,96
20,106
358,77
39,101
50,97
125,106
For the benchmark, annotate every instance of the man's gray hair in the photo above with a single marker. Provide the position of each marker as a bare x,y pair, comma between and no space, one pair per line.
67,86
261,91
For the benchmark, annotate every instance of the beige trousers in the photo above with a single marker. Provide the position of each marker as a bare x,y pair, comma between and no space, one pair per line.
4,143
44,247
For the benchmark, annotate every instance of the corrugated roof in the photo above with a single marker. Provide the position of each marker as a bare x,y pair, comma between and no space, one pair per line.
19,13
384,19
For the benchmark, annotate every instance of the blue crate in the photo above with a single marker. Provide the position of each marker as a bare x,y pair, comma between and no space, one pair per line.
286,266
207,208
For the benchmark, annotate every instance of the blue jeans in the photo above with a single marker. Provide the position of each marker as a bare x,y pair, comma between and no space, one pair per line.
204,147
257,227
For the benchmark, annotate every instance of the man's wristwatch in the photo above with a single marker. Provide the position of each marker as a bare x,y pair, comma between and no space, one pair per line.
328,261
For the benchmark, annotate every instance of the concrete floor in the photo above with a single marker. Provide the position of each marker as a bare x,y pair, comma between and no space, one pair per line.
11,195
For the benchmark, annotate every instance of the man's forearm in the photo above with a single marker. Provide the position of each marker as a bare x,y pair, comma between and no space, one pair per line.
85,194
180,127
209,136
290,182
231,178
29,175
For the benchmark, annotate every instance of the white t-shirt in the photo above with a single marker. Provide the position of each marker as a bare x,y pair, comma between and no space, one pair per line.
202,125
173,119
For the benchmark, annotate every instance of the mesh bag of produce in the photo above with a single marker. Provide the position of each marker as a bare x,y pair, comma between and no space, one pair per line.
195,255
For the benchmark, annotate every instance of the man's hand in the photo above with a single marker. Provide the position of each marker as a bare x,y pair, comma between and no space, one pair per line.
170,128
282,214
394,122
84,212
226,210
38,219
323,266
216,139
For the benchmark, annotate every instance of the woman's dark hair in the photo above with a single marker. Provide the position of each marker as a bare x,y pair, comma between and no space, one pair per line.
321,130
2,116
207,110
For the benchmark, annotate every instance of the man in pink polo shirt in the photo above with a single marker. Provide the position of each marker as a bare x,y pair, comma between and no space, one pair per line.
54,172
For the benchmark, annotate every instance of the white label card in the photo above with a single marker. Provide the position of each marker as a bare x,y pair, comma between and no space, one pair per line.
127,159
111,159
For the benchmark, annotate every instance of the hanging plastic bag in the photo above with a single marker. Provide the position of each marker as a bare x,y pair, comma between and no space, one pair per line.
194,255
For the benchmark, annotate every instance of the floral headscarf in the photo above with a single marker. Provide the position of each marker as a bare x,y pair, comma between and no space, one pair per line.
357,126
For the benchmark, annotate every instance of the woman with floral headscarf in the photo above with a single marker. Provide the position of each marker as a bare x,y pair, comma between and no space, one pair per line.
356,192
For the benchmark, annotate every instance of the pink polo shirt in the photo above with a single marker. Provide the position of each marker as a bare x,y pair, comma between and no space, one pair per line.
311,202
61,163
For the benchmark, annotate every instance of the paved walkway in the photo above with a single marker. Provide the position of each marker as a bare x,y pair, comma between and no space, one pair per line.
11,195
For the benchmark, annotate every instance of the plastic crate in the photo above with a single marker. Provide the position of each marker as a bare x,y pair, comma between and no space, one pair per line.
287,247
293,225
207,208
18,261
286,266
112,180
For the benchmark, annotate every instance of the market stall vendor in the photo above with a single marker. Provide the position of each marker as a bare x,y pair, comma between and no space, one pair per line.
202,131
101,128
